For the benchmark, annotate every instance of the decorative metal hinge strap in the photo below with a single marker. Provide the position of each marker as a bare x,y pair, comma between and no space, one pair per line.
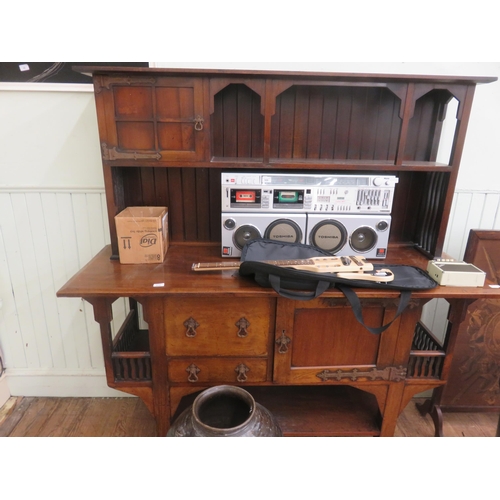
114,154
193,371
191,325
283,342
242,324
391,373
242,371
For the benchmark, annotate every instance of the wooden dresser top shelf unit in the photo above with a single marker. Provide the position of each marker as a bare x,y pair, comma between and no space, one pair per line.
166,136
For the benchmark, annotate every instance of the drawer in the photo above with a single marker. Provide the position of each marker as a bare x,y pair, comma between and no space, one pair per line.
229,370
218,327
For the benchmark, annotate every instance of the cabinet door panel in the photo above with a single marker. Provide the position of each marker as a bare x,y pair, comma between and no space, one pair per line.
323,334
211,326
333,337
154,119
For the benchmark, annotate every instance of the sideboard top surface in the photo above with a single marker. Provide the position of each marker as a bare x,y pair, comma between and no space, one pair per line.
104,277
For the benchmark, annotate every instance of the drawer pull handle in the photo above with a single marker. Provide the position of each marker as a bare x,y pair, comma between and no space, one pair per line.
198,123
191,324
193,371
242,371
283,342
242,324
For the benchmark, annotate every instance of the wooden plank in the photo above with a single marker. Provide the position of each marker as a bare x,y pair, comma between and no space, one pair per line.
176,217
71,311
301,122
26,288
215,204
203,205
315,120
491,211
244,122
94,417
10,264
83,225
455,233
343,124
257,128
49,335
188,177
356,123
286,122
230,119
329,125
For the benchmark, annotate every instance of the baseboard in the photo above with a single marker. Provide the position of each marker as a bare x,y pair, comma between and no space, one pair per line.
4,390
81,384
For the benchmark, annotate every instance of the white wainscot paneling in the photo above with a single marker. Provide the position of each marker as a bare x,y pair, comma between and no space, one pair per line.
51,345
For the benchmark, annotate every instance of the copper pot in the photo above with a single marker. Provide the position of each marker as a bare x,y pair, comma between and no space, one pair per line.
225,411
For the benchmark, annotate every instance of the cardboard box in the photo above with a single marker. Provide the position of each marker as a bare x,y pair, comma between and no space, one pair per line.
142,235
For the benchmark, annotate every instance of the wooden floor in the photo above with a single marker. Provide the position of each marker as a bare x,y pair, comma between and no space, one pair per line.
109,417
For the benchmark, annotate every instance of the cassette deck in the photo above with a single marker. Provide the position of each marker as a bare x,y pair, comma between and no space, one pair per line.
342,214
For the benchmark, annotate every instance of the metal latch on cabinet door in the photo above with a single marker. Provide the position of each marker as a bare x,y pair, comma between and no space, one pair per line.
198,123
283,342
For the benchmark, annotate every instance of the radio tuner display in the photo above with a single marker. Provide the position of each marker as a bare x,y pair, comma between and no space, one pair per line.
290,198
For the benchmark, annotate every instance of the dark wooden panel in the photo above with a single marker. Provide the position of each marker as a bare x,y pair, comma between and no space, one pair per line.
134,103
174,103
136,136
237,123
333,337
176,214
192,196
430,212
336,123
425,126
473,382
176,137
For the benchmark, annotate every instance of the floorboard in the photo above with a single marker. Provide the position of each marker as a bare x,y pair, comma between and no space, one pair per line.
129,417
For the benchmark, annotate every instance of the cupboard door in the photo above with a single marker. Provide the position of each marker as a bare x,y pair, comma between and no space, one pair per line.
321,341
151,118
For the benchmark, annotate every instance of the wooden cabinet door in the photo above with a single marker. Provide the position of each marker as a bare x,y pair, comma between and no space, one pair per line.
150,118
321,341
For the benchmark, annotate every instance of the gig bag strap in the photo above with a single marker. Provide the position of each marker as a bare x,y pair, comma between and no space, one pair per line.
275,282
353,299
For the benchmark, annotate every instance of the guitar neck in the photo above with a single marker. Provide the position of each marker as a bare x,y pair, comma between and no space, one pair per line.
315,264
220,266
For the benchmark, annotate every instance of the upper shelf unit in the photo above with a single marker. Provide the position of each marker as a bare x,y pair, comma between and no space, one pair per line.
206,118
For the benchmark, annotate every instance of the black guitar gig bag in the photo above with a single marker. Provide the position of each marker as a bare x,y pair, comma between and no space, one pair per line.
307,285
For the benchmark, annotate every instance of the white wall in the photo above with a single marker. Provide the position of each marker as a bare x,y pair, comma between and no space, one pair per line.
53,216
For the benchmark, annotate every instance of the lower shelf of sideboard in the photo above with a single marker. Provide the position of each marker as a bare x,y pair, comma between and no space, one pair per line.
315,410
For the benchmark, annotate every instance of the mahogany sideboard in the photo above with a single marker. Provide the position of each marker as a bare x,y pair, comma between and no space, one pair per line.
166,136
311,363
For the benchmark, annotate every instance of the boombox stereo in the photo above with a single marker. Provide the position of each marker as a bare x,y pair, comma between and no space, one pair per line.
366,235
341,214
